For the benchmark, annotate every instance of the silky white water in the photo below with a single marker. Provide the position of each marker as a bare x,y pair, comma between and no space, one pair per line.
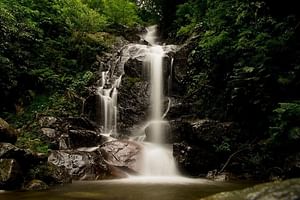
157,156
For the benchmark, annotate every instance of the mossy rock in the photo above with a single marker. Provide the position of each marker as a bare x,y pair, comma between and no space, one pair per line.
36,185
288,189
7,133
10,175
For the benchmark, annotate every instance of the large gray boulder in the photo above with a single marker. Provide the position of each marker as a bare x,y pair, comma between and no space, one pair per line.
81,165
121,154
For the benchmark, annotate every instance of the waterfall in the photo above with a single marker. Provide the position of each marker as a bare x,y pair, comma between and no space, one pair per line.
157,156
108,103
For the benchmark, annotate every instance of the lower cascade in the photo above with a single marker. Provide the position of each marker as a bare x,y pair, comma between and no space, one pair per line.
157,157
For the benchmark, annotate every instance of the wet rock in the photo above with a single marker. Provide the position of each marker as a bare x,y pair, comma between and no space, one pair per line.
134,68
181,67
47,121
122,154
134,103
84,138
10,174
289,189
7,133
81,165
36,185
53,174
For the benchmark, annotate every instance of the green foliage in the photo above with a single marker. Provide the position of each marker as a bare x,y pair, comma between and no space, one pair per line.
122,12
286,120
31,141
79,17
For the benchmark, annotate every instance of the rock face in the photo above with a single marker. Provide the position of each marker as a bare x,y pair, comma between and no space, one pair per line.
7,133
111,160
203,144
289,189
122,154
71,132
11,176
133,103
80,165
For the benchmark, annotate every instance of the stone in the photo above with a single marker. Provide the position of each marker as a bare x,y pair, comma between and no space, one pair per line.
288,189
10,175
81,165
55,175
36,185
122,154
7,133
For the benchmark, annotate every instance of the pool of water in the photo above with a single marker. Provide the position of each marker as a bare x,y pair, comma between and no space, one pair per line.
152,188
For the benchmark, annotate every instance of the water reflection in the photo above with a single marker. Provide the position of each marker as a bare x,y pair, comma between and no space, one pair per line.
134,188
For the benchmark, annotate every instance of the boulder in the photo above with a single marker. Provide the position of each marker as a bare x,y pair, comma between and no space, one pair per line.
36,185
288,189
205,144
7,133
49,173
122,154
81,165
10,174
